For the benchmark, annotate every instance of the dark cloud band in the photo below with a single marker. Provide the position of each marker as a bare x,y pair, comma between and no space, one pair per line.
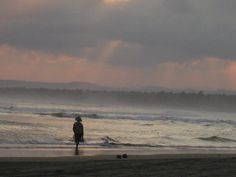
167,30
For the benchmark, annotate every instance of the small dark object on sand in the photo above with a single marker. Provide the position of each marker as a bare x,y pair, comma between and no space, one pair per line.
59,171
118,156
125,156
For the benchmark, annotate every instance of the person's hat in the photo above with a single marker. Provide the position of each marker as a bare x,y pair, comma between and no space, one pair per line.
78,118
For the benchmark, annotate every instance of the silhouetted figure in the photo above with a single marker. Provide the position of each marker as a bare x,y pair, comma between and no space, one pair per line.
78,132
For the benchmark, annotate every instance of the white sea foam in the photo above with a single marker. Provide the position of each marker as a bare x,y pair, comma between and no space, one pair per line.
51,125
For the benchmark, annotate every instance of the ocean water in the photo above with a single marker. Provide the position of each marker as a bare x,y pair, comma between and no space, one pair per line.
50,125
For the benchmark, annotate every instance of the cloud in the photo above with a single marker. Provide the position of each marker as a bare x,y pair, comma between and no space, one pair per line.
38,66
207,73
164,30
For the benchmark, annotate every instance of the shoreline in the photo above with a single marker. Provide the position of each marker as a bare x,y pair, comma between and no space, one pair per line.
162,165
114,157
22,152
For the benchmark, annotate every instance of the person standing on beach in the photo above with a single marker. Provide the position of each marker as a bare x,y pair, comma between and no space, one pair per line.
78,129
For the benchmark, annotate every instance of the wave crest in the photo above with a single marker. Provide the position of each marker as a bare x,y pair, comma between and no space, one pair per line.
217,139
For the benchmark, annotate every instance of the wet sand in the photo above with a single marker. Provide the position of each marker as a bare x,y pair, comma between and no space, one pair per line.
141,165
65,151
104,166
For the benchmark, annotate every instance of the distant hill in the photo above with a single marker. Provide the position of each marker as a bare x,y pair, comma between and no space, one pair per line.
47,85
95,87
73,86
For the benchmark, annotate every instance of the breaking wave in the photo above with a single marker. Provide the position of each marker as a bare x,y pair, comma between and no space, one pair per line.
146,117
217,139
108,141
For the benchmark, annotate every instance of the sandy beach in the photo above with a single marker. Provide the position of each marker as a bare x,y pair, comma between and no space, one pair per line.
214,165
104,162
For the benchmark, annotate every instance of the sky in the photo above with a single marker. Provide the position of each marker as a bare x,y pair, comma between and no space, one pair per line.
177,44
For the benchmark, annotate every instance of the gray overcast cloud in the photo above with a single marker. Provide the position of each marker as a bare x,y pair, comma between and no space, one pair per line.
150,31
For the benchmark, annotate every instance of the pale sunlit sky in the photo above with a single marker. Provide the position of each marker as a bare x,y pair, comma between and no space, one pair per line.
120,43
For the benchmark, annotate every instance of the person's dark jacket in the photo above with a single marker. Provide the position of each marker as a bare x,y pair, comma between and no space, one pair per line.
78,128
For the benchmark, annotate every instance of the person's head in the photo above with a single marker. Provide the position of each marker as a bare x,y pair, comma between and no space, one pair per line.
78,119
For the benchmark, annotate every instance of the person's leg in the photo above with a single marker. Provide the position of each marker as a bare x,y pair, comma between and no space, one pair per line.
76,148
76,141
77,144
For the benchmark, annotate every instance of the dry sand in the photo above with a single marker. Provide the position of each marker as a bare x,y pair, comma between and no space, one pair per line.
163,165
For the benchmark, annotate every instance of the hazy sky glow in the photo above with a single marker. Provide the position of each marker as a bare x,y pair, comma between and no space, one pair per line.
121,43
